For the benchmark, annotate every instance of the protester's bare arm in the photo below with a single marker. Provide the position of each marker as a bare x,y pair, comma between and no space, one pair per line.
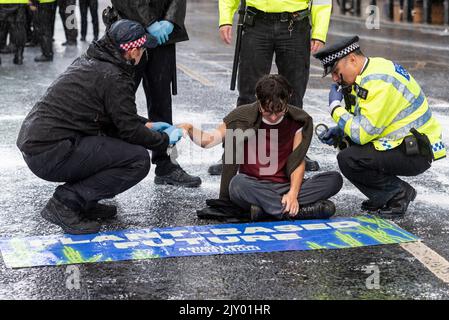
290,199
205,139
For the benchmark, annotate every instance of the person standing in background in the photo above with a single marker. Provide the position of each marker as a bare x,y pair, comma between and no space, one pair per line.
91,5
67,13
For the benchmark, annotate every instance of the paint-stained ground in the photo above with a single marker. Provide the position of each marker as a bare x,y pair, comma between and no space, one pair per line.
204,66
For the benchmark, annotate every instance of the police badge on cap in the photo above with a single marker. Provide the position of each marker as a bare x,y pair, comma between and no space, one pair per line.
331,54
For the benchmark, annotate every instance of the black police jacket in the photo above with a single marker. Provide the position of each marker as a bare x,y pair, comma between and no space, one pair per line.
148,11
94,96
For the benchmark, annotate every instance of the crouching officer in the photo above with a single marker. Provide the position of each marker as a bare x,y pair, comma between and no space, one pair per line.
85,131
386,116
13,17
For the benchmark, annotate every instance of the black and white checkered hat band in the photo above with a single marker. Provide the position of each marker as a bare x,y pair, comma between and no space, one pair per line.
333,57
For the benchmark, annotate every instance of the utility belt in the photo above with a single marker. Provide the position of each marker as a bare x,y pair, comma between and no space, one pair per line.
417,144
252,13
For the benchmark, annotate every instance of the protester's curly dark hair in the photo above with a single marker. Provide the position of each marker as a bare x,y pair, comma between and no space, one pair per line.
273,91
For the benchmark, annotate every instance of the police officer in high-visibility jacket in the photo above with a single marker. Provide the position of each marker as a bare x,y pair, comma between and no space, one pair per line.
388,120
289,29
13,17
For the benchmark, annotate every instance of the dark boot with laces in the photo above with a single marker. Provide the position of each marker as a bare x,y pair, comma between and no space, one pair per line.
172,174
71,221
323,209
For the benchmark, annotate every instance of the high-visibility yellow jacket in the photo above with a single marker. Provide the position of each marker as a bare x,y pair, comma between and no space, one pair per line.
46,1
320,11
393,105
14,1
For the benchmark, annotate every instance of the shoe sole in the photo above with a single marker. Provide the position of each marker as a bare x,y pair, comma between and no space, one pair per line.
51,218
164,181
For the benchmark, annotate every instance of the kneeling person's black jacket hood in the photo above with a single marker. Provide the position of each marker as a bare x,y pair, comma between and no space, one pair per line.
94,96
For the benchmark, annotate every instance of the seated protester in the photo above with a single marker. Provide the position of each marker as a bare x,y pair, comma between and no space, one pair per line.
85,131
388,121
270,183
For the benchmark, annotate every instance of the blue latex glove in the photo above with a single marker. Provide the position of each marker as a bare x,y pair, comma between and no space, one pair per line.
168,27
160,126
175,134
156,30
331,136
335,95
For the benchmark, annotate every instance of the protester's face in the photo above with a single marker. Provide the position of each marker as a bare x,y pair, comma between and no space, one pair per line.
273,117
345,70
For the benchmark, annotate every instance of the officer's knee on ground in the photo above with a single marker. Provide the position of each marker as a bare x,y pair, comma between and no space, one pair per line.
343,158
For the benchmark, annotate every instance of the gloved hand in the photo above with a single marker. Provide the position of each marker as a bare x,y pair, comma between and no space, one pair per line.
156,30
335,95
331,136
174,134
160,126
167,26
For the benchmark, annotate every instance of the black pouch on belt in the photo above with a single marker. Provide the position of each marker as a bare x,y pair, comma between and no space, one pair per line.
249,17
424,145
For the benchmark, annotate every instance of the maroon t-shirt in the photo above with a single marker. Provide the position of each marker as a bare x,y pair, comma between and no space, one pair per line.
260,163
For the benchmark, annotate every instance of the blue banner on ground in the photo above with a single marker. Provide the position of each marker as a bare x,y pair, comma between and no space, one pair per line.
153,243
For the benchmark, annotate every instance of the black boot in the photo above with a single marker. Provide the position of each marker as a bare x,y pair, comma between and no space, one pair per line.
323,209
216,169
169,173
311,165
70,43
99,211
68,219
370,206
43,58
398,205
18,56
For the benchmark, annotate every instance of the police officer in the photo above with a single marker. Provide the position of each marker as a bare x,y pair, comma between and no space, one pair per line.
13,17
164,20
45,23
67,14
289,29
386,116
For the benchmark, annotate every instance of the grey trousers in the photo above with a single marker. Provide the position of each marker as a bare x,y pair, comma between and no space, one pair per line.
245,191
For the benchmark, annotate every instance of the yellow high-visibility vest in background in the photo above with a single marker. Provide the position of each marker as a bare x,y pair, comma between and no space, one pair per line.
320,11
393,105
14,1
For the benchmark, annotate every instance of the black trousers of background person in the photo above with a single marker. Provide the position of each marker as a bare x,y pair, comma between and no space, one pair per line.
93,168
71,32
91,5
46,15
13,18
156,70
375,172
266,38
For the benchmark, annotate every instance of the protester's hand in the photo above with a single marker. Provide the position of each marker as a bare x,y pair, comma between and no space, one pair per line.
159,126
157,31
167,27
174,134
316,45
290,204
334,94
187,127
226,34
330,136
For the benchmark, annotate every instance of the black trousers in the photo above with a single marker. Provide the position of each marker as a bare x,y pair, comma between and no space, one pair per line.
13,18
91,5
93,168
67,13
375,173
245,190
266,38
46,15
156,69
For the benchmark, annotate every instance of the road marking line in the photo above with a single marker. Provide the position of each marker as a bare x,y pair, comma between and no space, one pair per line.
429,258
194,75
